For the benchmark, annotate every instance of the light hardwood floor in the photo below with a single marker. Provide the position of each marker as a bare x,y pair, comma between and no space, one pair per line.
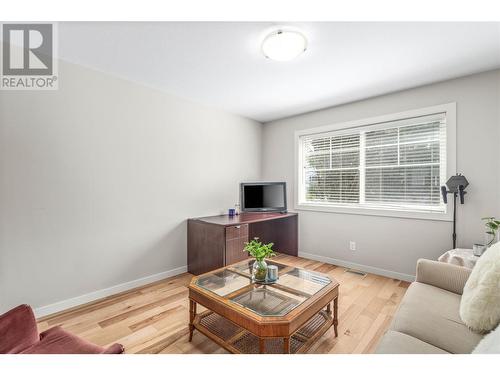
154,318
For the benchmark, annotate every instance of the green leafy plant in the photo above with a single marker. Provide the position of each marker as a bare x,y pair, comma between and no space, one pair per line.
492,227
258,250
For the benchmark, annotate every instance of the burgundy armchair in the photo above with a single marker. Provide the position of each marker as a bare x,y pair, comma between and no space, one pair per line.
19,334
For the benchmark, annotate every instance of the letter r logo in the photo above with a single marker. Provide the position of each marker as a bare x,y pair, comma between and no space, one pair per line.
27,49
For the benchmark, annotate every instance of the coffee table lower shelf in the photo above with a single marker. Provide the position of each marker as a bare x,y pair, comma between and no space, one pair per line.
240,341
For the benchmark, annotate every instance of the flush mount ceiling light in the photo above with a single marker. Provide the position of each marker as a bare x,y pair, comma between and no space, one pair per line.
284,45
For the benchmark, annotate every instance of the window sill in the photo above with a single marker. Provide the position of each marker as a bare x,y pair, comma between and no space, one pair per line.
366,211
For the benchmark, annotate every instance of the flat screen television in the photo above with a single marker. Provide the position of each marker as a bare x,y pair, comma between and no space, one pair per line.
263,196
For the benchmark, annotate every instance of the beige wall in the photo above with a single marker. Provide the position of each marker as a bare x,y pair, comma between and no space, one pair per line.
386,245
97,180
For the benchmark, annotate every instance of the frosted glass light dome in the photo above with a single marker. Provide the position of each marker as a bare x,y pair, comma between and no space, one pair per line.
284,45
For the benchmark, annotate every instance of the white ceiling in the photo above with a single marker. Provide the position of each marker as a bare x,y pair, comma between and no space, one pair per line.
220,64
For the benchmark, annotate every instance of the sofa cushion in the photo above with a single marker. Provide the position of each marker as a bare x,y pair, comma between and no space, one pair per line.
58,341
480,307
431,315
18,330
395,342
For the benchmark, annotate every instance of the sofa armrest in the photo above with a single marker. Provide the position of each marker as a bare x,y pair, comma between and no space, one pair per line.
18,330
442,275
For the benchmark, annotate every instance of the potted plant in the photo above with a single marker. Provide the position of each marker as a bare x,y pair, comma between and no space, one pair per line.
260,252
492,227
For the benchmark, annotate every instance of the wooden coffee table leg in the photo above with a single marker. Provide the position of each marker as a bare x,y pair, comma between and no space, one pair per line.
286,345
262,345
192,315
335,315
329,308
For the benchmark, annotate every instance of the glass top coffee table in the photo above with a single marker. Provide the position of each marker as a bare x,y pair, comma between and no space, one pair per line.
246,317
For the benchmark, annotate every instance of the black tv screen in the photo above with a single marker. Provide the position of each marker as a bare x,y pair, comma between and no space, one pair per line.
263,196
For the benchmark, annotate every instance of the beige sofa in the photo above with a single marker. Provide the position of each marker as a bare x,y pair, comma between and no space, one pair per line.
428,320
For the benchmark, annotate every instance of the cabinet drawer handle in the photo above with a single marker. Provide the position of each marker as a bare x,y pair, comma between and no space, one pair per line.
238,226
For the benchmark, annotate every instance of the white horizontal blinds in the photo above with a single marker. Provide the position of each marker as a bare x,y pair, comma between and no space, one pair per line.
404,162
331,168
401,165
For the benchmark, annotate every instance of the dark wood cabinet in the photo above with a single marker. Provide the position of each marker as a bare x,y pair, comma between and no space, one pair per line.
217,241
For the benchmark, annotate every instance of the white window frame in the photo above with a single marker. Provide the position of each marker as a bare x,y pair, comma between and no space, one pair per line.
451,126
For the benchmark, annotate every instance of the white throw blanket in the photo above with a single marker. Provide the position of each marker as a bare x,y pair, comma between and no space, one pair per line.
490,344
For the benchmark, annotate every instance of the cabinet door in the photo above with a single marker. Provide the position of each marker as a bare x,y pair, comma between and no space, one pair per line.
205,246
236,237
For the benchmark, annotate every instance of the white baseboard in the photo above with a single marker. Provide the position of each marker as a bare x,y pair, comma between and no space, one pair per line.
98,294
361,267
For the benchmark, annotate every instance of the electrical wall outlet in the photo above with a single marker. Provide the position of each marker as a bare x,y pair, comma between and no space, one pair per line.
352,245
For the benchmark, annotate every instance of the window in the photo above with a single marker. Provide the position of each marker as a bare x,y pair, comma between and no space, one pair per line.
397,164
